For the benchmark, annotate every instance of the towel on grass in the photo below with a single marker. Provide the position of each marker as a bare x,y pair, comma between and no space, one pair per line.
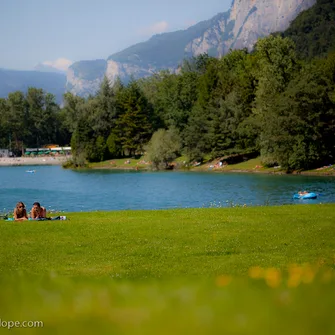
61,217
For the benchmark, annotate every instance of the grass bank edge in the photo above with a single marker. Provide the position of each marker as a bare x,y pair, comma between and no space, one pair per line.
250,166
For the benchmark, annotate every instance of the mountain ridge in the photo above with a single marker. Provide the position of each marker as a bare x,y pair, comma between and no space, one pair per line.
19,80
40,67
237,28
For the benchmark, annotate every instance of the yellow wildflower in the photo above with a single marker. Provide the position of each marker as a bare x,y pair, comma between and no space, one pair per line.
295,274
256,272
223,280
272,277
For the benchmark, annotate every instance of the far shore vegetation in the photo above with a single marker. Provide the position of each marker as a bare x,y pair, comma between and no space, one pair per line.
253,165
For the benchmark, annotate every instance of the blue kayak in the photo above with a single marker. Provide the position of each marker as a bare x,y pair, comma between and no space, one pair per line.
305,196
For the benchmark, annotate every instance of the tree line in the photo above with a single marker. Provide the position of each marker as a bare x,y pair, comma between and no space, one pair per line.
31,120
268,102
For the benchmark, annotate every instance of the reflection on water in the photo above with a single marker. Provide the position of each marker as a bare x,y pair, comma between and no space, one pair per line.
89,190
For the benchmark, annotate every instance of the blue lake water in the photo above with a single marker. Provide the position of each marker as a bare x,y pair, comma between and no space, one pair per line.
89,190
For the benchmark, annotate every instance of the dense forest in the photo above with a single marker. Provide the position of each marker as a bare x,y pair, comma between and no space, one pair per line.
277,101
313,31
31,120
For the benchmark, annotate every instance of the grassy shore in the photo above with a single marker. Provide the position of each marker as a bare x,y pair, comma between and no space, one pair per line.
201,271
249,166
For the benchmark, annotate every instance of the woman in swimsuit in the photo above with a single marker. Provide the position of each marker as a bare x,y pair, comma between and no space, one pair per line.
20,213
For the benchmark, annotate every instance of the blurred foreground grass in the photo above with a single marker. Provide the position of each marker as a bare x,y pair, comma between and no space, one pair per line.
253,270
221,305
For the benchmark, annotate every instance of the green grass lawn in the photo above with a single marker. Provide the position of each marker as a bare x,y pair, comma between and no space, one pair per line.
251,165
256,270
123,163
143,163
330,170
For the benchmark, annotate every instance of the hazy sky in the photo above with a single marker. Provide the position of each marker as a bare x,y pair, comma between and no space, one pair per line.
62,31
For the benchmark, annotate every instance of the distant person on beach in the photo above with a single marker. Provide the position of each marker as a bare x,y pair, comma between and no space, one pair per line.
38,212
20,213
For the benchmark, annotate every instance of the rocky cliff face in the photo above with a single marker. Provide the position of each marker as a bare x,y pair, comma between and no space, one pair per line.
240,27
248,20
125,70
257,18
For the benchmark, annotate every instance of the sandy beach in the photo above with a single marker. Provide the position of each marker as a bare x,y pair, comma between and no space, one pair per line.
15,161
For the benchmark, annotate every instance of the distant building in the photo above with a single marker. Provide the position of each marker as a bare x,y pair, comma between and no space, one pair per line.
62,150
46,151
5,153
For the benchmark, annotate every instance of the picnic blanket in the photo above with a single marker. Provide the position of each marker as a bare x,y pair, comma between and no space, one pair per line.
61,217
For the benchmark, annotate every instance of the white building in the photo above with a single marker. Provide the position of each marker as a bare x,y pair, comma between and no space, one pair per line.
62,150
5,153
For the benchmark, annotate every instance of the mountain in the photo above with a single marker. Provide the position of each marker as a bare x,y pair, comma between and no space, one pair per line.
47,68
12,80
240,27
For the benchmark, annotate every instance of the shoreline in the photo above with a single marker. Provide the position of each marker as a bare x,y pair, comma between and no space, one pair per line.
59,160
271,172
26,161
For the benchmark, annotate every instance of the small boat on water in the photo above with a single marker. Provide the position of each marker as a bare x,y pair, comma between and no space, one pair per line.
31,171
309,195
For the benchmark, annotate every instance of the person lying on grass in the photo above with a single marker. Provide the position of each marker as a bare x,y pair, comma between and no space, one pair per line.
38,212
20,213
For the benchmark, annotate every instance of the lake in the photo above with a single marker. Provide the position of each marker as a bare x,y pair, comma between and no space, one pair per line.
90,190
